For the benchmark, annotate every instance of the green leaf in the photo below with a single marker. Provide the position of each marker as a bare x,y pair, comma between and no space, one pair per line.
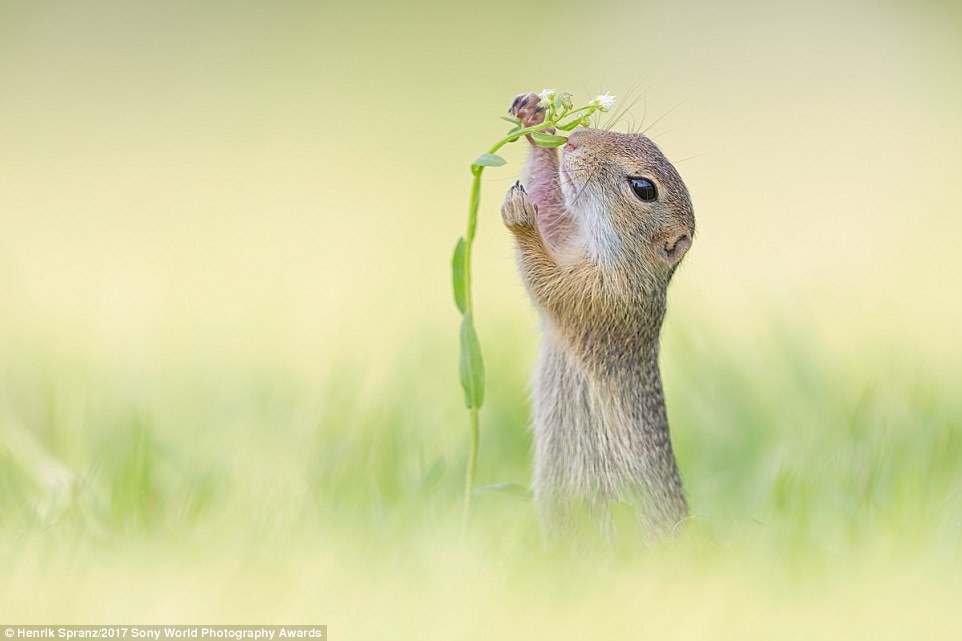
513,121
490,160
548,140
568,126
472,367
457,275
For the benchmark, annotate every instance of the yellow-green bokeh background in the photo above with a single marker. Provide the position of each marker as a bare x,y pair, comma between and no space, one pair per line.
205,173
205,201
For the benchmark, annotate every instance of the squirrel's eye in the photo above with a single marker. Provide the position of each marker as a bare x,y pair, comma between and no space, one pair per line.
643,188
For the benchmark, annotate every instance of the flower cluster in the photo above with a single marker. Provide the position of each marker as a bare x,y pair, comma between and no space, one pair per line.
559,106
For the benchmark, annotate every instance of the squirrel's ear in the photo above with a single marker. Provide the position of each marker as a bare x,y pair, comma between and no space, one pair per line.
672,245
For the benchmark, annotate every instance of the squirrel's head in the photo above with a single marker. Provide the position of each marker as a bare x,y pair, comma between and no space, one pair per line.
627,199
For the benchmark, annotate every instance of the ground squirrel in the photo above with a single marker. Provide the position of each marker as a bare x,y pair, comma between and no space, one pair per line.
599,236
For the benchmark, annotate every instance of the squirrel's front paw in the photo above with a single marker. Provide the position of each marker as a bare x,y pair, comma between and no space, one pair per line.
525,108
518,212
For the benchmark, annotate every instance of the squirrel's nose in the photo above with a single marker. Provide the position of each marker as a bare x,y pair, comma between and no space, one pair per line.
571,145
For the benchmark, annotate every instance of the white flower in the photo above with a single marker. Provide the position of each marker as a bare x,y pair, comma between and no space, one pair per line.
604,102
547,97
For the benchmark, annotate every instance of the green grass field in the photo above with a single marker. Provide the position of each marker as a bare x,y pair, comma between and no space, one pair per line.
825,504
228,345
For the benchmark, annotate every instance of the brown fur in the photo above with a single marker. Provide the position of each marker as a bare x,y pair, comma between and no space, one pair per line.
597,261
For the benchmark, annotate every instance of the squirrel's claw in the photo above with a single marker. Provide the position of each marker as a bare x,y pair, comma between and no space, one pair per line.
526,108
518,212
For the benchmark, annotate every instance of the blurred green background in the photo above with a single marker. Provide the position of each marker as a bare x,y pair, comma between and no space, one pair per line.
228,361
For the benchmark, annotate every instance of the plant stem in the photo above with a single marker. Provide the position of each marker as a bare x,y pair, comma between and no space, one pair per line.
469,311
472,465
516,135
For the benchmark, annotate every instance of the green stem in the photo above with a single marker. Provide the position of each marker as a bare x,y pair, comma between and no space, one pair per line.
472,466
469,311
469,236
518,134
